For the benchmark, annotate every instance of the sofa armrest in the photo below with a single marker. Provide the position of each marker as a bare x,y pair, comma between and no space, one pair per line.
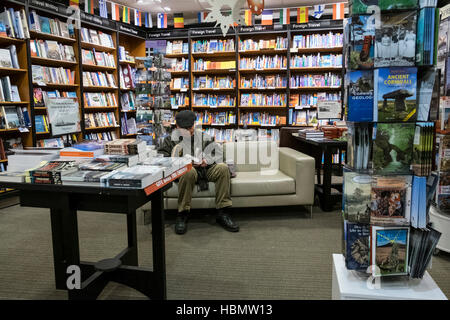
301,167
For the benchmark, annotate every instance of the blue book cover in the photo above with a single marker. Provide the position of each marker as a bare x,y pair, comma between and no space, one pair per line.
360,99
39,123
45,24
422,223
357,246
395,94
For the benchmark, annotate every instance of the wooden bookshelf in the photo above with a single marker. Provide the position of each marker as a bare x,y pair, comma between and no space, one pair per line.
53,62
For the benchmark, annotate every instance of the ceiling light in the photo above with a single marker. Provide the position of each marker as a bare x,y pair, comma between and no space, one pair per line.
166,9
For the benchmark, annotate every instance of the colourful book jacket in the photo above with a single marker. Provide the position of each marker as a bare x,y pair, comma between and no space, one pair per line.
360,96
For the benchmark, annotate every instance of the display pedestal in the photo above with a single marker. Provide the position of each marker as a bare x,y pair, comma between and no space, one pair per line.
348,285
441,223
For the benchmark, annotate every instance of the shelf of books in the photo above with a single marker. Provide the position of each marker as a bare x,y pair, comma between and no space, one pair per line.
263,77
54,64
388,176
15,112
131,45
100,81
214,78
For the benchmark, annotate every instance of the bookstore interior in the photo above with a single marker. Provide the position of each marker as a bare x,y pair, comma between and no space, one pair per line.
291,124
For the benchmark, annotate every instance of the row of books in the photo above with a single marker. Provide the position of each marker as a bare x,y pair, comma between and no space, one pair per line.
127,77
41,123
97,37
100,119
99,79
311,99
258,81
179,100
254,45
50,75
201,65
8,91
50,49
12,117
261,118
391,94
214,45
97,58
125,55
316,80
177,47
220,135
14,24
263,62
128,101
40,97
213,100
442,198
302,117
179,83
128,125
269,100
208,82
100,99
101,136
319,60
54,27
324,40
8,57
180,65
216,118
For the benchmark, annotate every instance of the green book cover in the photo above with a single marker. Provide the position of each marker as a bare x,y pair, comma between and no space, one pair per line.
393,148
361,6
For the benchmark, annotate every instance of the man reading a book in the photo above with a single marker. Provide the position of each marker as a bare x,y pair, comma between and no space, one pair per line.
206,168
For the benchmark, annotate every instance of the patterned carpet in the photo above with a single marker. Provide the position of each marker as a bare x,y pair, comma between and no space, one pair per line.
280,253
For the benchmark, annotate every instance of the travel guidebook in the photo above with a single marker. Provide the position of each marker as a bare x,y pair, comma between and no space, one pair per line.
393,148
389,251
395,40
357,246
362,35
360,99
395,94
357,189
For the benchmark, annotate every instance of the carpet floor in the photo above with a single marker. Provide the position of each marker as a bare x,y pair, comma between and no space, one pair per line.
280,253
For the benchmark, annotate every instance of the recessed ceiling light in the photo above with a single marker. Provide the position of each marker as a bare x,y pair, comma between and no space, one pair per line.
166,9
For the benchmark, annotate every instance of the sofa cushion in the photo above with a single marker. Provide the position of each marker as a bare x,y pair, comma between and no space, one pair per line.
259,183
211,192
252,155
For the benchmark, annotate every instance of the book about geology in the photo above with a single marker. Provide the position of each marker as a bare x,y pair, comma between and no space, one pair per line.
357,247
395,94
393,148
395,40
360,99
389,251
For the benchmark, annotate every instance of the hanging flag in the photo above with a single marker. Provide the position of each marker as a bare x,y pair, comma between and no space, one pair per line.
178,20
285,16
338,11
248,18
148,20
126,15
162,20
137,18
202,16
89,6
302,15
115,13
319,9
103,9
75,3
267,18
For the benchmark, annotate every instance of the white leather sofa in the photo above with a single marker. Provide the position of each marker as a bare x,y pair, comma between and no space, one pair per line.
266,175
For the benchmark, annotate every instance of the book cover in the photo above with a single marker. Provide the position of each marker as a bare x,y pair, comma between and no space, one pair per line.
425,88
393,148
395,94
389,250
5,58
357,246
363,6
39,123
395,40
11,117
53,50
45,24
361,95
357,193
362,36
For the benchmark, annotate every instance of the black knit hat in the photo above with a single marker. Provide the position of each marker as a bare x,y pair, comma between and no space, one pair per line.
185,119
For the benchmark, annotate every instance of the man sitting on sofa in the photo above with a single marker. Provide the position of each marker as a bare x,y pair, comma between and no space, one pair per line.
203,171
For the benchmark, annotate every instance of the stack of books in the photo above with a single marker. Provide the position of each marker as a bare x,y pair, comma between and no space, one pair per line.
310,133
125,146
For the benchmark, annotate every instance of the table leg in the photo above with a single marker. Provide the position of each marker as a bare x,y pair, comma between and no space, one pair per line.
327,173
159,251
131,258
58,249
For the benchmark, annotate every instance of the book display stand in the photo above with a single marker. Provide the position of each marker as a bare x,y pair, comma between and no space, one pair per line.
388,176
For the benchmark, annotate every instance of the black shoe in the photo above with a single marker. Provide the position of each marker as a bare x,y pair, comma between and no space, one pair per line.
181,222
224,219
